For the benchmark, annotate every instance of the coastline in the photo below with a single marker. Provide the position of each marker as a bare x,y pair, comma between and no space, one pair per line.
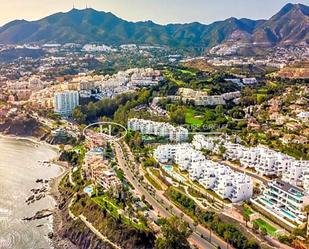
32,139
57,242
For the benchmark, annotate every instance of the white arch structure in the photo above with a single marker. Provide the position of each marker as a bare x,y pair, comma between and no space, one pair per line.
108,136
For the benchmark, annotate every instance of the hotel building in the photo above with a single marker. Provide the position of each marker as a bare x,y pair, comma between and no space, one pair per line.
65,102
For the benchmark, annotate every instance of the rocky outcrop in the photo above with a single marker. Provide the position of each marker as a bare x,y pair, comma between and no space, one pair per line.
21,125
82,237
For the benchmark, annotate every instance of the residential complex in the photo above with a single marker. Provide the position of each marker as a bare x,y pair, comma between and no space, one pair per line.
227,183
200,98
65,102
100,172
284,198
285,201
262,159
148,127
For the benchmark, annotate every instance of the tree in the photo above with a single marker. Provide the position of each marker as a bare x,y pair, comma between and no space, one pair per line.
137,140
78,116
178,116
209,115
251,244
175,233
263,231
255,226
219,109
91,110
150,162
246,217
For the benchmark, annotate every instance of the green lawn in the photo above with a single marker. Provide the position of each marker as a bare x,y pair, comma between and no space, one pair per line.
269,228
187,72
192,118
170,76
112,208
248,211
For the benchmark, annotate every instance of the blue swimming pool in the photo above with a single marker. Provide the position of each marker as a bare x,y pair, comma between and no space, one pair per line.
288,214
88,189
168,168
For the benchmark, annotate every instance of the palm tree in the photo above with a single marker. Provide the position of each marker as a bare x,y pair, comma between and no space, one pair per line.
246,217
306,210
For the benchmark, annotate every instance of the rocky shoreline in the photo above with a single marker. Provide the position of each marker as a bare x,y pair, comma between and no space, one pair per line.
57,240
50,189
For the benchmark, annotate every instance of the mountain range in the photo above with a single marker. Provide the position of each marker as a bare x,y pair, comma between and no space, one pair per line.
290,26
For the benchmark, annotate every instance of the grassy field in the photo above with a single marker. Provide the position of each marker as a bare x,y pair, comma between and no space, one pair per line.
192,118
186,72
169,75
113,210
156,173
269,228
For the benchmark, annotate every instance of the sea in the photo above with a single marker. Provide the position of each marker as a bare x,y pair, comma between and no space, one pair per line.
20,167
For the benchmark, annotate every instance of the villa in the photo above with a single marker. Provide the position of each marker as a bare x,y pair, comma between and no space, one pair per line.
284,201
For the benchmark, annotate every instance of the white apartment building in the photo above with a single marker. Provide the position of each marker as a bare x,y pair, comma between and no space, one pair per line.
210,143
185,158
285,201
221,179
166,153
297,174
148,127
65,102
264,160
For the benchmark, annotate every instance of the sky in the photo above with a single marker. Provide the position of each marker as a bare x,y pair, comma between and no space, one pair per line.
159,11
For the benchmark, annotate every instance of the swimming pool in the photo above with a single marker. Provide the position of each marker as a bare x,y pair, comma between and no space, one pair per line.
288,214
168,168
267,201
89,189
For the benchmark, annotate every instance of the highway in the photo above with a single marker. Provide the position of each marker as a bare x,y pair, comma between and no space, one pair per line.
165,208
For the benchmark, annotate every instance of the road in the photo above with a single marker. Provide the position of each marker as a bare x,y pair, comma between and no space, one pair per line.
161,204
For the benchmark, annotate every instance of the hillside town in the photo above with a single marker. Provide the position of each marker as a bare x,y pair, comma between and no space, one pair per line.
166,145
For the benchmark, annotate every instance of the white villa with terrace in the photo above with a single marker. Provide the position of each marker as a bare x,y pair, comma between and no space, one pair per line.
148,127
225,182
284,201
